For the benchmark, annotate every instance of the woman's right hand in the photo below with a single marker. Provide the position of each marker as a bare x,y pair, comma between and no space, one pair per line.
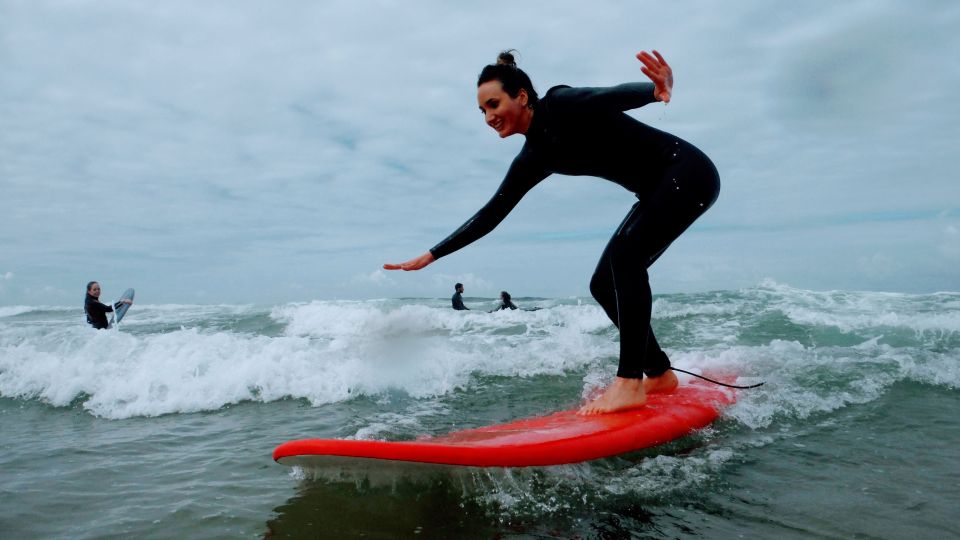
412,264
659,72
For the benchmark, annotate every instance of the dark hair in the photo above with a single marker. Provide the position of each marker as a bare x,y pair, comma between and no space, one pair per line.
510,76
505,295
91,284
457,286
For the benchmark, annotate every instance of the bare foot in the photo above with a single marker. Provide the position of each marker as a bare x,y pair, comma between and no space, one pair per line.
621,395
664,383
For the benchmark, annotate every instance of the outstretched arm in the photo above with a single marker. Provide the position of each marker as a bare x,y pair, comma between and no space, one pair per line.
621,97
521,177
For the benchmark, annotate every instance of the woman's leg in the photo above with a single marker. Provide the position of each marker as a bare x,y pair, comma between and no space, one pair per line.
603,291
601,287
621,283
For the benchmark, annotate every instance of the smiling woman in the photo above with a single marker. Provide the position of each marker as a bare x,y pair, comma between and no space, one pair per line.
97,312
506,96
584,131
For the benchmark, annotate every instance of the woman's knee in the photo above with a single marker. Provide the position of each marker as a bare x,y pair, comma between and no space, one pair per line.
600,286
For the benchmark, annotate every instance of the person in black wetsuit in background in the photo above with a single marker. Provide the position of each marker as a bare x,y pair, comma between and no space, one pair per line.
505,302
96,311
584,131
457,299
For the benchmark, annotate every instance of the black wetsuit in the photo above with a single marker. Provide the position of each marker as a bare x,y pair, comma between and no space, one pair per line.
457,301
583,131
506,305
97,312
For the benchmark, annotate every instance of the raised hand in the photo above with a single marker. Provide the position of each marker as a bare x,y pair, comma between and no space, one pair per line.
412,264
655,67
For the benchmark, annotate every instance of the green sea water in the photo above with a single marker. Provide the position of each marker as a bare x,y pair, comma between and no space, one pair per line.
165,428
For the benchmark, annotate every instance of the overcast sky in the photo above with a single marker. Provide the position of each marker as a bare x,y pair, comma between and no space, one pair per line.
264,152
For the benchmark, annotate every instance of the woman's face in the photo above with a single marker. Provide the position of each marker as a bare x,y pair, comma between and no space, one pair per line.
506,115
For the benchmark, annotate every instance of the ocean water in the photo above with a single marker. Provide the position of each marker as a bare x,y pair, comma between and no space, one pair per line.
165,428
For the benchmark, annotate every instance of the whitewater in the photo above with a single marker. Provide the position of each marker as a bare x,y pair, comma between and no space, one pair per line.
855,383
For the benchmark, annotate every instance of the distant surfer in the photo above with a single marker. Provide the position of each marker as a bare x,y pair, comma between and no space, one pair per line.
505,302
583,131
457,299
96,311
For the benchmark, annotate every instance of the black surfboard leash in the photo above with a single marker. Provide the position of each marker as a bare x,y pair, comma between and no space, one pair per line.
717,382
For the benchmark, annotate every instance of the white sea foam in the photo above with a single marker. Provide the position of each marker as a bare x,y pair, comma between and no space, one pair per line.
540,491
849,311
669,309
397,423
328,352
662,475
10,311
875,316
803,381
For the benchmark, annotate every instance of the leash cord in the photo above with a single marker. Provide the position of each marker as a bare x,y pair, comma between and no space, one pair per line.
717,382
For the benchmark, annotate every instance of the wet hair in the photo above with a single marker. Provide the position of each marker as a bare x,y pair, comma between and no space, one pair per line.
457,286
91,284
510,76
505,296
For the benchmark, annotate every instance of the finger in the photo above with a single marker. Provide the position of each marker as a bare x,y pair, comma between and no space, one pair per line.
391,267
654,60
650,62
660,58
655,77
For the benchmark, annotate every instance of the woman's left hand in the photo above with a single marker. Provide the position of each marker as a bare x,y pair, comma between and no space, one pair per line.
655,67
413,264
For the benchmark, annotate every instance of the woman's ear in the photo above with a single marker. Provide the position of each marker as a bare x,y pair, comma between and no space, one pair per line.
523,97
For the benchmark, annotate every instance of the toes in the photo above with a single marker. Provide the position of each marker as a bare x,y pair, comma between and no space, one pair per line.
589,410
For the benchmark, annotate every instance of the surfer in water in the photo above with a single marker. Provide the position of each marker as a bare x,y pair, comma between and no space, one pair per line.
584,131
505,302
457,298
96,311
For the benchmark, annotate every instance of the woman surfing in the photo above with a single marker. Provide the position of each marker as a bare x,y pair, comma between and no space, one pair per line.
584,131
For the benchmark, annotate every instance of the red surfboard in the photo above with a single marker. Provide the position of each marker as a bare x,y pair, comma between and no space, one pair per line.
555,439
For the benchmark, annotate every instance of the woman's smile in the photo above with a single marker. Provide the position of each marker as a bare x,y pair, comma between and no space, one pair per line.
506,115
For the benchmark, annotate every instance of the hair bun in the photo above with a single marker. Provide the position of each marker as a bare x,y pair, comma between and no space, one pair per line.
506,58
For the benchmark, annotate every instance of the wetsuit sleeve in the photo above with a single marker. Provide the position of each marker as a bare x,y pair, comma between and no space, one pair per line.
622,97
99,307
523,174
